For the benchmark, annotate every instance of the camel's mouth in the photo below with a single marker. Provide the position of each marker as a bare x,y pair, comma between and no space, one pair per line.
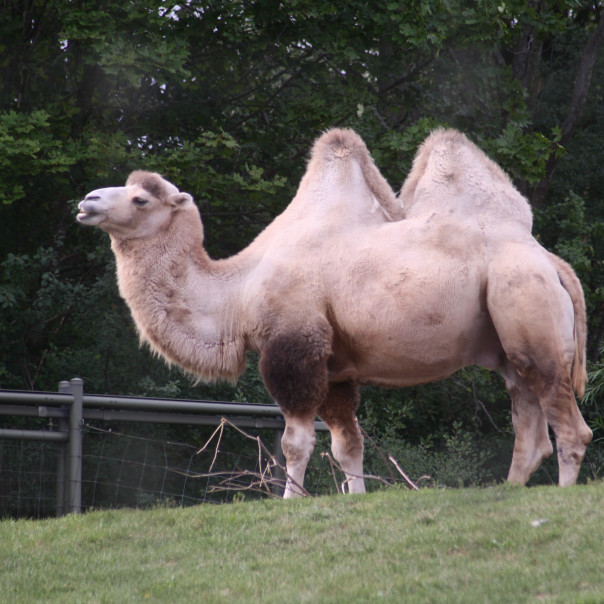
86,216
89,211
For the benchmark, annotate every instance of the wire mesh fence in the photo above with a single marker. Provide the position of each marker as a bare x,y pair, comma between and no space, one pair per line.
28,477
71,452
123,468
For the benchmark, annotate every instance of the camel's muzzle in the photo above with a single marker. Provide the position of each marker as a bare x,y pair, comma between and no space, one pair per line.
89,209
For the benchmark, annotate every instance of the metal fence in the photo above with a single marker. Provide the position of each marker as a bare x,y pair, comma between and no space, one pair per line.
71,408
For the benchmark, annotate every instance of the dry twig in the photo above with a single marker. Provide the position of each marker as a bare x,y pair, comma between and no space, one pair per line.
265,481
408,480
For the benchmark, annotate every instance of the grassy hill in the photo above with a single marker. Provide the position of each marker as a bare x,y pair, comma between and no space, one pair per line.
501,544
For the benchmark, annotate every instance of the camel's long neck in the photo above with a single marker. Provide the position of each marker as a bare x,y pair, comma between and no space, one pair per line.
183,303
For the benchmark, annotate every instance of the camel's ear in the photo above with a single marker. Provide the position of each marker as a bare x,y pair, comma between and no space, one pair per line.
180,199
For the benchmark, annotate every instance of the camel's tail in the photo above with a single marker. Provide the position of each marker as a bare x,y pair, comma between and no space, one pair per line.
343,143
572,285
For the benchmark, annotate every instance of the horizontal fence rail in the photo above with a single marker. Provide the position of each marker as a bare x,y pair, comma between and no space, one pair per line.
71,407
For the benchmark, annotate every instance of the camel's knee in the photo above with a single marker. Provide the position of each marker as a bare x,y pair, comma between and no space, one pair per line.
298,443
570,428
347,447
346,444
563,415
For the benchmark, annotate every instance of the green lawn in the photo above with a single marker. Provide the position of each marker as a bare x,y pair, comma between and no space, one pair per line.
501,544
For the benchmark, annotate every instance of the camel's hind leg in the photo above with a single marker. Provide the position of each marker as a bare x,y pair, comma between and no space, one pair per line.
559,408
549,378
532,444
534,319
338,412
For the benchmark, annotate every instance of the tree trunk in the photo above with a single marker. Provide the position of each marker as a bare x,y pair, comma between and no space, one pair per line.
575,109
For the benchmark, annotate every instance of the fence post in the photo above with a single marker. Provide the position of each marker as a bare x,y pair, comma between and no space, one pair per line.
75,446
63,459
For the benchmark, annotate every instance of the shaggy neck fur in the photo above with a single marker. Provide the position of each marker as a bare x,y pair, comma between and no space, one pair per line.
181,300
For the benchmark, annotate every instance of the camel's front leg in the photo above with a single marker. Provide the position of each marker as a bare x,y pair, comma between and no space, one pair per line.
338,412
293,365
297,443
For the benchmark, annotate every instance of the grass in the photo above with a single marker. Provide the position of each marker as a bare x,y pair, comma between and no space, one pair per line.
500,544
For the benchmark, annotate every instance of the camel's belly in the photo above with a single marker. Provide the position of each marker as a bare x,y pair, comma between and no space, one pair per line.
409,375
405,355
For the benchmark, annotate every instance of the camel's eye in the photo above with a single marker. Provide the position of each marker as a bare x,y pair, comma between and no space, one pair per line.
139,201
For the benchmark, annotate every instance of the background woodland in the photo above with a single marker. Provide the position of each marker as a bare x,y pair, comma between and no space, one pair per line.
225,98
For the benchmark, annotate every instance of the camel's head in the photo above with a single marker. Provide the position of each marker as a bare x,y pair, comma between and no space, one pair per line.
140,209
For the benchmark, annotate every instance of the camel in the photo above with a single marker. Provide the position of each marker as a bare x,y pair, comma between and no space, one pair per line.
349,287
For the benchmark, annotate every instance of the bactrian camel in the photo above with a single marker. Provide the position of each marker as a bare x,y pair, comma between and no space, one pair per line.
345,288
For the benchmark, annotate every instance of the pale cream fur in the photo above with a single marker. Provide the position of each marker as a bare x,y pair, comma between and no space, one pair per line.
374,298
